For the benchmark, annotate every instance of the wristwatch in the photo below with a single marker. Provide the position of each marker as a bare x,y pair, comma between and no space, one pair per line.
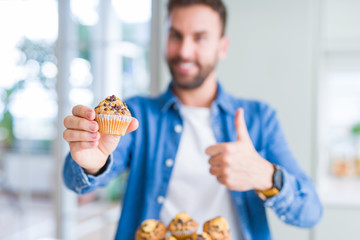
277,179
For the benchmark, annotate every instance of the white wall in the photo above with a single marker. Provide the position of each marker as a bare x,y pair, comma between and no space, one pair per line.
271,58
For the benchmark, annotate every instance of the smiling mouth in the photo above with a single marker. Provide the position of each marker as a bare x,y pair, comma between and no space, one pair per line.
185,67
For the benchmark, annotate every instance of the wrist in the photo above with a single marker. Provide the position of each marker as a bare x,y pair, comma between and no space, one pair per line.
266,176
93,172
277,183
97,171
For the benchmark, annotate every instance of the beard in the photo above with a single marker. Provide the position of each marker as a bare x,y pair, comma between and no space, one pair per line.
196,81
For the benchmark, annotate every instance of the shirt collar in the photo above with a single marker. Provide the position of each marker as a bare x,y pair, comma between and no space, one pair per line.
169,100
223,100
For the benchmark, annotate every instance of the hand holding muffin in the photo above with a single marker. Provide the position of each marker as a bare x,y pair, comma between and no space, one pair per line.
89,148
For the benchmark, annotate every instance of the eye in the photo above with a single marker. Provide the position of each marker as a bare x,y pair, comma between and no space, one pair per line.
174,36
199,38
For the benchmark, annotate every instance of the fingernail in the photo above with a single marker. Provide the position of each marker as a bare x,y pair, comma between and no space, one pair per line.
92,126
88,114
93,135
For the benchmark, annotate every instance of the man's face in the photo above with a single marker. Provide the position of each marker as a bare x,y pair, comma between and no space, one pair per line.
194,45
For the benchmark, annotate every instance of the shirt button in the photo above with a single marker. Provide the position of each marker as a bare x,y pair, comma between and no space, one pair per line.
160,199
178,128
169,162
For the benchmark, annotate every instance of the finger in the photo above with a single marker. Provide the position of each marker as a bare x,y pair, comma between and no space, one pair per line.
220,148
78,123
219,160
217,171
134,124
213,150
84,112
240,125
75,136
221,179
78,146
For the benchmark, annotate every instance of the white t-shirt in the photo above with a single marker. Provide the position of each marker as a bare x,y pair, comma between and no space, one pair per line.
192,188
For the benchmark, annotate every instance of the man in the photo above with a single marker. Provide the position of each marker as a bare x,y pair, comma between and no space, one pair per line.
197,149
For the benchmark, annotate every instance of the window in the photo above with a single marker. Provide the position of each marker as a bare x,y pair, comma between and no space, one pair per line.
101,48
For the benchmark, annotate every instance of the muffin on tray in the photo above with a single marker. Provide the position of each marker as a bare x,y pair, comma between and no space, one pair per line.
202,236
217,228
182,226
151,229
170,238
113,116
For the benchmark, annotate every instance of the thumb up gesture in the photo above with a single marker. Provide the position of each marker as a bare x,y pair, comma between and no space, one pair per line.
237,164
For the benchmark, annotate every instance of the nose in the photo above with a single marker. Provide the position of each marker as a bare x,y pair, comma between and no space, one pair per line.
186,49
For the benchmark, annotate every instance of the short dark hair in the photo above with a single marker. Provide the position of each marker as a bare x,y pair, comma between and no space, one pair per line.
216,5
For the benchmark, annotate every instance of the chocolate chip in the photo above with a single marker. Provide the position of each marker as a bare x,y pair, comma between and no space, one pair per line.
112,98
105,109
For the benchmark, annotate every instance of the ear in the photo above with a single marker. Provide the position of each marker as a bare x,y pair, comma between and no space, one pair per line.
224,45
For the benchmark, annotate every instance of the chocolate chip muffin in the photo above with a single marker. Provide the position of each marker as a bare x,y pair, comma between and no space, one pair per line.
202,236
113,116
170,238
151,229
217,228
182,226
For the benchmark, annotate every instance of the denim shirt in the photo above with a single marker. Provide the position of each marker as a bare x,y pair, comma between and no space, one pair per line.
145,151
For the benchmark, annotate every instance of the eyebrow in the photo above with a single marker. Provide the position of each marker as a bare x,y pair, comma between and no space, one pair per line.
203,32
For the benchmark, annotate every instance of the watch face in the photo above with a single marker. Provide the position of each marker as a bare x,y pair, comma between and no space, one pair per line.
278,178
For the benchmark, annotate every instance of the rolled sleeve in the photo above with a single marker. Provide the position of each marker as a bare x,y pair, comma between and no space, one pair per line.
77,180
296,204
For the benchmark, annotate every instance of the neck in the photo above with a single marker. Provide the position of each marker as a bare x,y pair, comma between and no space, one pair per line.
201,96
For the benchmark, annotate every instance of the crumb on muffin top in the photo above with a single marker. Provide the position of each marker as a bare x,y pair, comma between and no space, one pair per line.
151,229
181,222
112,106
217,228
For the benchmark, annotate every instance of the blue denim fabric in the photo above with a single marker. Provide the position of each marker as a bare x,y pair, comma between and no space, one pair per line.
145,151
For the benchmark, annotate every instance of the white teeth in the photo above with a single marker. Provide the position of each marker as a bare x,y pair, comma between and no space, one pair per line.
186,65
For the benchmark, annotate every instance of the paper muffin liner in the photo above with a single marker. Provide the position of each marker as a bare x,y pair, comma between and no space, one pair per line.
113,124
183,234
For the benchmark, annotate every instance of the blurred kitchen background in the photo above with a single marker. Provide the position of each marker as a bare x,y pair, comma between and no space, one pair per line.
301,56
